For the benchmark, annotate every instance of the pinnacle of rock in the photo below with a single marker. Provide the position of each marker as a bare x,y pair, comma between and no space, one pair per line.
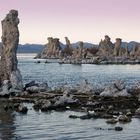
10,40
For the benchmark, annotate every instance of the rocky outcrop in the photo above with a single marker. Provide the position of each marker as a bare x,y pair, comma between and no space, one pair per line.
126,50
68,50
117,48
0,48
105,47
78,53
52,49
10,40
135,52
80,50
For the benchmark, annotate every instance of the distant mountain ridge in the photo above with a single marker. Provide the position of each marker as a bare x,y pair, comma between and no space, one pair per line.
36,48
30,48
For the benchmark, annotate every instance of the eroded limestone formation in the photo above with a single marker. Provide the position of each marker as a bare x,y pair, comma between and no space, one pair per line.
68,49
117,48
126,50
10,40
80,53
105,47
135,52
52,48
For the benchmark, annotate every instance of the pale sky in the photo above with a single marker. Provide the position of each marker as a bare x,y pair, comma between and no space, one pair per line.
86,20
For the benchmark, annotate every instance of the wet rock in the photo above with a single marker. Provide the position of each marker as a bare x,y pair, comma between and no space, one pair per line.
34,87
47,106
106,116
84,87
16,80
5,87
119,85
116,113
10,39
137,112
43,87
22,109
124,118
129,114
135,89
115,90
64,100
111,121
73,116
30,84
118,128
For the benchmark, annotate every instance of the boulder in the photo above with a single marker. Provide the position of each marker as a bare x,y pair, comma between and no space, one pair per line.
119,85
84,87
114,90
124,118
66,99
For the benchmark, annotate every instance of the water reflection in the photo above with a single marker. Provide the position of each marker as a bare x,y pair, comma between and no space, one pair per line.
7,128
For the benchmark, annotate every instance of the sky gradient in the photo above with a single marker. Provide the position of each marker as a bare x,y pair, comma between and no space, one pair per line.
86,20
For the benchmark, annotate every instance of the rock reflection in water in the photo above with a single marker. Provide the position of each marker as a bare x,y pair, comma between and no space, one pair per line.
7,128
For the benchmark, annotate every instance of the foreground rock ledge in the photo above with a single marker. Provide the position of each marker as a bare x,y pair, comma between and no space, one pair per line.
9,73
114,102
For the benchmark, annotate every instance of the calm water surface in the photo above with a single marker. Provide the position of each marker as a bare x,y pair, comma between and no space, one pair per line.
57,125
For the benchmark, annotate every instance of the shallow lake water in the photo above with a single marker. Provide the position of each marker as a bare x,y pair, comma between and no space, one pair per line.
57,125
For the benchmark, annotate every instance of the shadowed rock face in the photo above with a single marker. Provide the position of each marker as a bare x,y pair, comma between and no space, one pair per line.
105,47
10,40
